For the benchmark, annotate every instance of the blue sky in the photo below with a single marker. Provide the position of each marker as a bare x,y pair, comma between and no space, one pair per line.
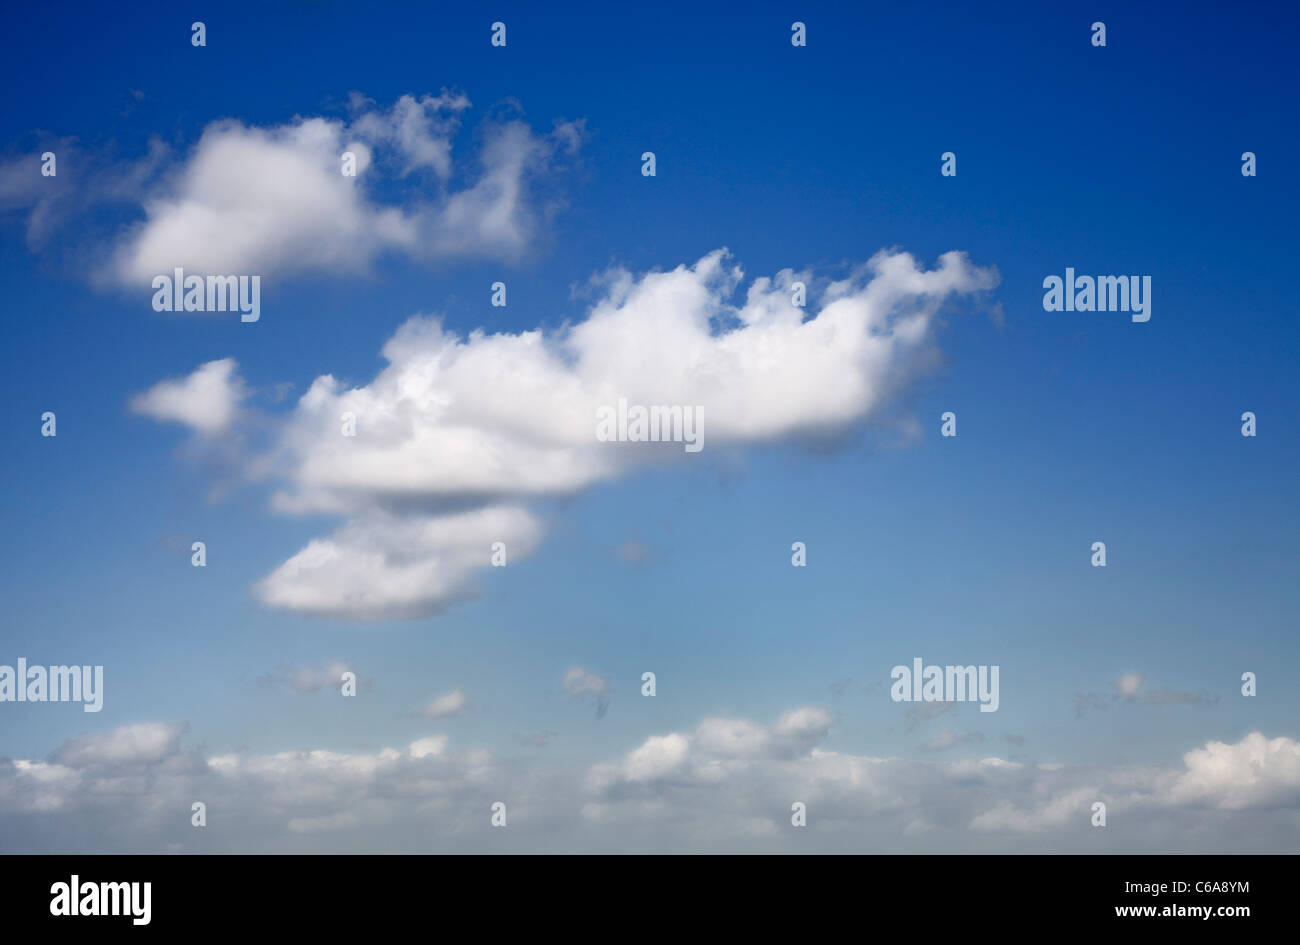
1073,426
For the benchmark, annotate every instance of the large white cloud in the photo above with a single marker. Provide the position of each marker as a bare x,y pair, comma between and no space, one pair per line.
483,422
726,785
515,414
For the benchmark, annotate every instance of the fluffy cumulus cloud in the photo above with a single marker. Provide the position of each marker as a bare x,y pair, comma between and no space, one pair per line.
478,424
1255,772
515,414
382,565
728,784
253,200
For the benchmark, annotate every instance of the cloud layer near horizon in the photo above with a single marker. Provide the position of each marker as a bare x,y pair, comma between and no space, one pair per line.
726,785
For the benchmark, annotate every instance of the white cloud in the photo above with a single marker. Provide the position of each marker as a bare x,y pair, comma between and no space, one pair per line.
428,747
446,705
946,738
315,678
85,180
382,566
1128,685
455,432
1255,772
273,200
515,414
420,129
579,682
207,400
129,744
727,785
478,424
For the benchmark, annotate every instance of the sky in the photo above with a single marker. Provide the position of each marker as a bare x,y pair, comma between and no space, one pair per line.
523,164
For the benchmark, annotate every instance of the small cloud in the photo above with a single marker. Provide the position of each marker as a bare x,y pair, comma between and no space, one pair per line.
539,739
1128,688
313,678
1128,685
920,714
206,401
633,552
579,683
429,747
947,738
447,705
1083,701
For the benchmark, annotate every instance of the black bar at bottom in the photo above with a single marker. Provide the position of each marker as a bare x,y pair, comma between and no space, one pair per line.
1216,894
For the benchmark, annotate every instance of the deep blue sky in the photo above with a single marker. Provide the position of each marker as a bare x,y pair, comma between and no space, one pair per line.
1073,426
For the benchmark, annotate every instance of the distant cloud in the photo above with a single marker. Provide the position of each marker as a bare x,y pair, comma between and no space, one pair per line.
947,738
726,785
86,179
633,552
1128,685
446,705
429,747
924,712
1128,689
539,739
580,683
306,679
128,745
